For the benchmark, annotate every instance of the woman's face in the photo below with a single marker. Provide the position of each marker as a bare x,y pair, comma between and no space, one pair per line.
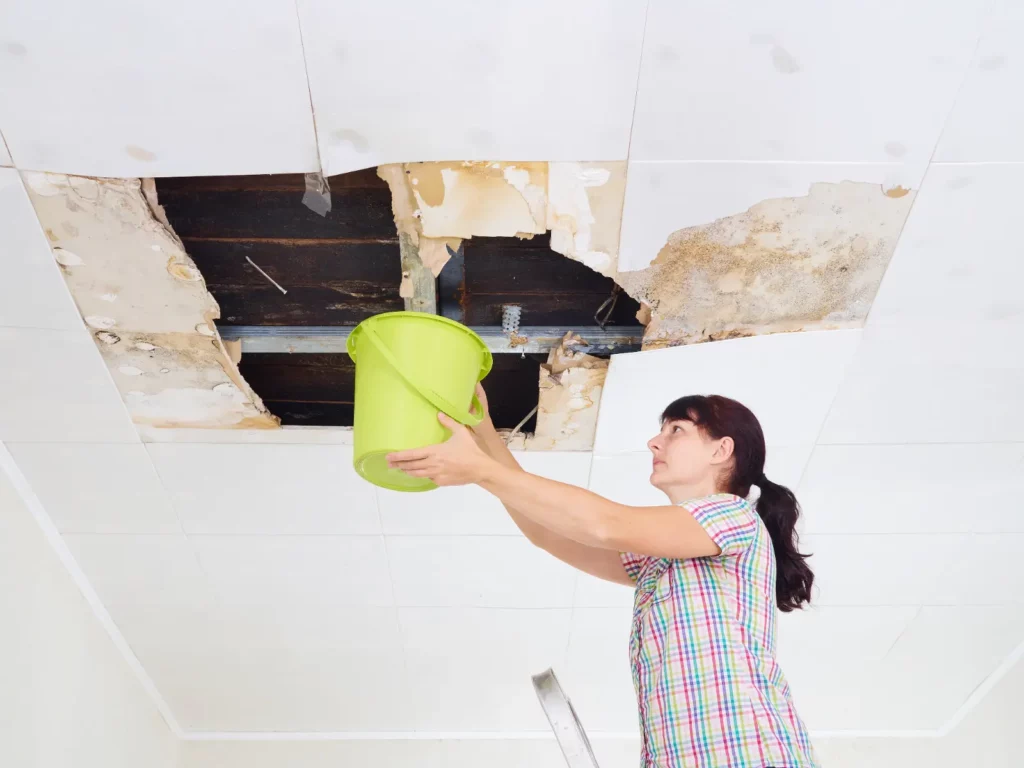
682,455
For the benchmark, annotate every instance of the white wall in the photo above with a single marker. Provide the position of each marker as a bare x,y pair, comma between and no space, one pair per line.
68,699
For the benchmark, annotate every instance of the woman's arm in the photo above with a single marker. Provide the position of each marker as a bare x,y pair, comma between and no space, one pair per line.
603,563
567,511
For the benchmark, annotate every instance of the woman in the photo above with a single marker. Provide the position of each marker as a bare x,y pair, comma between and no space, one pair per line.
709,573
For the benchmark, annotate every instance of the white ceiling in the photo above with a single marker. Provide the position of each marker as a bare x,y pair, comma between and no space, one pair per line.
265,588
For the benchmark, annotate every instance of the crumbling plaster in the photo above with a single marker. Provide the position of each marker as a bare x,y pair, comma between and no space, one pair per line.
145,303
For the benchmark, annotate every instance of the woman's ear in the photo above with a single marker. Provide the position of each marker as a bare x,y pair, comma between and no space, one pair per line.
724,450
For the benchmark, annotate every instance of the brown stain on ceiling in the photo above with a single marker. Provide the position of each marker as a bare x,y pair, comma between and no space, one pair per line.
786,264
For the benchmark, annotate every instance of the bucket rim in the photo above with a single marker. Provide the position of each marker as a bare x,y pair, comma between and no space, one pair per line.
488,361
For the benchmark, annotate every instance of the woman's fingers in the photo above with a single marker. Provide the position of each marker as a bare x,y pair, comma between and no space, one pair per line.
405,466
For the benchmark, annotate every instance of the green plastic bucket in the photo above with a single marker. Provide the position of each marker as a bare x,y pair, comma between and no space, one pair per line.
409,366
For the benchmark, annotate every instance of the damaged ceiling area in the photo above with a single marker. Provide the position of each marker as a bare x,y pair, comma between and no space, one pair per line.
224,302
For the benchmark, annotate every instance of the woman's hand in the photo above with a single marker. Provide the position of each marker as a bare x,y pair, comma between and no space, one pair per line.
460,460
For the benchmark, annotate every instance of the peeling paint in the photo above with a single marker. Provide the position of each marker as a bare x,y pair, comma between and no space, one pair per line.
585,212
133,283
441,204
786,264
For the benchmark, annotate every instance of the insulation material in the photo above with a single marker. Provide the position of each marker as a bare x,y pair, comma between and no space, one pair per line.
145,302
786,264
570,394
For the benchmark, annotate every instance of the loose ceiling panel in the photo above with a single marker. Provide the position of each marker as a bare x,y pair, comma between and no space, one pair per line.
394,81
863,82
193,88
788,380
987,122
958,259
32,292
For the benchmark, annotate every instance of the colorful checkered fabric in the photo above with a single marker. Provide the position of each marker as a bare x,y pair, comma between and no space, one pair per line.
710,692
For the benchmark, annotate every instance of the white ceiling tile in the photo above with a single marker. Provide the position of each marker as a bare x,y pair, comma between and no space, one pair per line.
905,382
792,81
55,388
987,122
5,156
883,569
787,380
111,89
664,197
329,571
948,268
935,665
575,63
941,488
249,689
97,488
140,571
597,677
266,489
482,571
987,572
469,510
470,668
32,293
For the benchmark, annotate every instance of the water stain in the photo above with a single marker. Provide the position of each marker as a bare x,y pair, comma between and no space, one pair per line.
897,191
183,271
355,139
139,153
786,264
783,61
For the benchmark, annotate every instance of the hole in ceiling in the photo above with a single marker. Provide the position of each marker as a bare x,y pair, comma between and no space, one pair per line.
270,261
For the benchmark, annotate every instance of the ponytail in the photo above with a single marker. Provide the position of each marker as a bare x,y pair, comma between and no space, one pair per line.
779,510
719,417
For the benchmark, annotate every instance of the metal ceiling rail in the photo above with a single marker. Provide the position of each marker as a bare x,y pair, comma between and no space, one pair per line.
531,339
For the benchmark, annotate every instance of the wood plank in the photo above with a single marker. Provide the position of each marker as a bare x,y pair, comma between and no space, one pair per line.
361,213
266,305
298,263
301,378
312,414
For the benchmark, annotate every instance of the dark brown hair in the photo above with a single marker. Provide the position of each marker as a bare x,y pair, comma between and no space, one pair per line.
719,417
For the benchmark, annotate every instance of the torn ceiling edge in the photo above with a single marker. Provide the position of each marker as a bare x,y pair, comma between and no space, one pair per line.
145,303
786,264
